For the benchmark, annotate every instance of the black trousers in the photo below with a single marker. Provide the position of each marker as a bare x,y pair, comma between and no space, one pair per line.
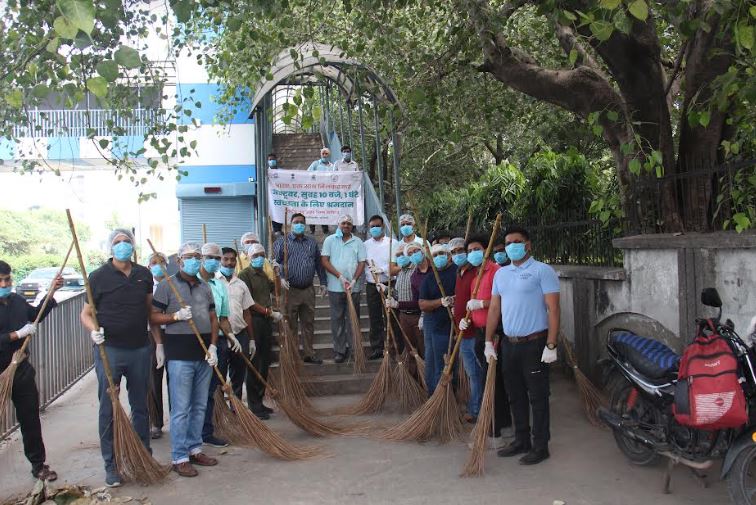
376,311
323,227
157,392
25,398
262,327
502,415
527,381
237,367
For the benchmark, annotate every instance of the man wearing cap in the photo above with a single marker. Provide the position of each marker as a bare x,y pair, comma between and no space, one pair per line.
525,295
346,163
462,289
407,229
122,292
189,367
247,240
303,255
377,249
343,258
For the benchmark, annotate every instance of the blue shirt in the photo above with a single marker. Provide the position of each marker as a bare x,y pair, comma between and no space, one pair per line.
304,260
319,166
220,295
344,256
438,320
522,289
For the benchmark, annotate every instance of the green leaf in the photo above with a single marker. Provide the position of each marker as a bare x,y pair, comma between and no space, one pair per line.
598,129
573,56
103,143
639,9
64,28
744,35
612,115
15,98
602,30
53,45
704,117
80,13
609,4
752,10
193,144
183,10
127,57
634,166
569,15
741,222
108,69
98,86
40,91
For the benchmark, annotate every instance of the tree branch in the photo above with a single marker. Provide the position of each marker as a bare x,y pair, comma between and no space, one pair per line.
568,42
676,68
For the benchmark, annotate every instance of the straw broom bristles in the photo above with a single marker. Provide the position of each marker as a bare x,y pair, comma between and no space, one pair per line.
419,361
591,397
463,384
291,386
377,394
410,394
357,350
476,460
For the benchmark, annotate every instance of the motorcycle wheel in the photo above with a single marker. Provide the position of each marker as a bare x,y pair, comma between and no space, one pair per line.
741,481
641,410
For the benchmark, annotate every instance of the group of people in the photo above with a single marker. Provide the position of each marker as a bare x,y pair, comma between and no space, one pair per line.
147,323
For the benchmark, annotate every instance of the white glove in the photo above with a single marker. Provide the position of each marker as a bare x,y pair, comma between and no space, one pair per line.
323,291
212,355
549,355
252,348
464,324
380,287
26,330
233,343
159,356
98,336
391,303
346,283
276,316
276,266
285,284
420,323
447,301
474,304
183,314
489,352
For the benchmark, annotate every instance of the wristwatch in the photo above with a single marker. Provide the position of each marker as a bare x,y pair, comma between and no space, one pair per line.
551,346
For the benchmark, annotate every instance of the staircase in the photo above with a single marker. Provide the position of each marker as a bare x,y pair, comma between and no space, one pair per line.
296,151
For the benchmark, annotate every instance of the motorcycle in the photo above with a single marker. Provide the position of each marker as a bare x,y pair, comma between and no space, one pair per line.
641,396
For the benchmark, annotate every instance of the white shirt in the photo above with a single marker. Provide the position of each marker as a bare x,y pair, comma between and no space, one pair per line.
343,166
378,253
416,240
239,300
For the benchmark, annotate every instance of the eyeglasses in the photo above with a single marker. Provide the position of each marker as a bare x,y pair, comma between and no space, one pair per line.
208,257
188,256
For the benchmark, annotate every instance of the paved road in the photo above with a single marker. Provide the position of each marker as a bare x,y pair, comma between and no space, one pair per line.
585,467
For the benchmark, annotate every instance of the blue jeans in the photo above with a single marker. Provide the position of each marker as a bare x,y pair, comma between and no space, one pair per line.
474,371
223,356
436,345
190,381
134,365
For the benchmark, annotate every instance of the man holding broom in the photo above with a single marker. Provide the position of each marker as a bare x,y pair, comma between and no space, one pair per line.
525,295
122,293
189,368
16,317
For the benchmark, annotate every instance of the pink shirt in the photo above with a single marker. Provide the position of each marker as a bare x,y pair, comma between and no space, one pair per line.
484,293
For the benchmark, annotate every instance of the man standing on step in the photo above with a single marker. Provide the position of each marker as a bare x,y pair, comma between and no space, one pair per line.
526,296
407,229
377,248
346,163
343,258
303,264
323,164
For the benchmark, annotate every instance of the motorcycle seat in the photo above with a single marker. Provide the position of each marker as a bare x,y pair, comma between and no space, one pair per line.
650,357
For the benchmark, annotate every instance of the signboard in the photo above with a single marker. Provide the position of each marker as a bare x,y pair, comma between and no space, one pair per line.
321,196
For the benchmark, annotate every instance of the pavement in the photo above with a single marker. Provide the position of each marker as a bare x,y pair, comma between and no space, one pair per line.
585,468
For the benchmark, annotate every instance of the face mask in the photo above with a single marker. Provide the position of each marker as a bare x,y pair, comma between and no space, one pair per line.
376,231
191,266
227,271
211,265
272,163
459,259
417,257
441,261
407,230
475,258
5,292
298,228
339,233
402,261
500,257
324,160
516,251
258,262
347,157
157,270
122,251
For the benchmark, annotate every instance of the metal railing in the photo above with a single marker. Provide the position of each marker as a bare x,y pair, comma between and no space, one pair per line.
61,352
83,122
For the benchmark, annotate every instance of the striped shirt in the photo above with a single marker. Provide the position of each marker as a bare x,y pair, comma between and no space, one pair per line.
403,284
304,260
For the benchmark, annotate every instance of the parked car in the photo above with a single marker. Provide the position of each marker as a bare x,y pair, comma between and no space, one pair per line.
38,281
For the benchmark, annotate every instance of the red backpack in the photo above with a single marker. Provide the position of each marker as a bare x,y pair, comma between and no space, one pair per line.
708,394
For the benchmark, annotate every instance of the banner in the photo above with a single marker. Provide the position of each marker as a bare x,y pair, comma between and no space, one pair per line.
322,197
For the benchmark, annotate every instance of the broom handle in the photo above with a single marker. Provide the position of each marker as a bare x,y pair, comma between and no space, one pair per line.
276,285
389,332
90,300
180,300
204,233
238,262
286,258
469,224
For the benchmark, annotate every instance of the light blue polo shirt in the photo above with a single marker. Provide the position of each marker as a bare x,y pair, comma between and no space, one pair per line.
319,166
220,295
344,256
521,288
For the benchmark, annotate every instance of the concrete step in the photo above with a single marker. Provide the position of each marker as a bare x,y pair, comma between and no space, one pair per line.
327,385
324,336
323,350
330,367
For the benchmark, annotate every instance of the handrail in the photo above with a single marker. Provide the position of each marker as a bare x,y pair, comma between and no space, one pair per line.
82,122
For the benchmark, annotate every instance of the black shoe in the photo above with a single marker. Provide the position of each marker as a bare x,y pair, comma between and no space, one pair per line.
267,410
261,414
339,358
313,359
377,354
513,449
534,457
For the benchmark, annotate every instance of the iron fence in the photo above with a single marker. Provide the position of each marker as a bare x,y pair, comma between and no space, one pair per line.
577,242
82,122
61,352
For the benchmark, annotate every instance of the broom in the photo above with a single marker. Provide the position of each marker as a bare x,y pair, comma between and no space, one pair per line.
591,397
133,460
477,458
419,361
238,424
439,416
6,378
357,349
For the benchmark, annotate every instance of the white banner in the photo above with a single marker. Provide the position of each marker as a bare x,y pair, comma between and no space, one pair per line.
322,197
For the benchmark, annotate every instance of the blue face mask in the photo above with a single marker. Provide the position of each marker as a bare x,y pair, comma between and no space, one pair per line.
376,231
5,292
417,257
347,157
157,270
122,251
227,271
191,266
516,251
298,228
402,261
407,230
476,258
324,161
272,163
441,261
211,265
339,233
258,262
500,257
459,259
